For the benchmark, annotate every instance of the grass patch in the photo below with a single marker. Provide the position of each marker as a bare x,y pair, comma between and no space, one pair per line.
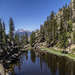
73,49
58,52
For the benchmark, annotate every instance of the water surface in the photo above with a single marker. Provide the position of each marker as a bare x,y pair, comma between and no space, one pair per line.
49,64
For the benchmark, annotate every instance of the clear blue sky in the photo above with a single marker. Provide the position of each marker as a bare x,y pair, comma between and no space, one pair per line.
28,14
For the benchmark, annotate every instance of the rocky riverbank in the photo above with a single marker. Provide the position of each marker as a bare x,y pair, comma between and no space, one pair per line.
26,47
42,50
10,52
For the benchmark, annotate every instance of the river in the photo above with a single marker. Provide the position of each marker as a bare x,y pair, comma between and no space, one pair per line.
49,64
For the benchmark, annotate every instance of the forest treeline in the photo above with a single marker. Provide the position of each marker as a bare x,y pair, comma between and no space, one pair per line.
11,42
11,35
56,31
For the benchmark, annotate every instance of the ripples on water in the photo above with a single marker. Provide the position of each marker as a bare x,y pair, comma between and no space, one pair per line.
30,64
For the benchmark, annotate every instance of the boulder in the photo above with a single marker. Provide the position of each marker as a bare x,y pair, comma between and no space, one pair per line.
2,70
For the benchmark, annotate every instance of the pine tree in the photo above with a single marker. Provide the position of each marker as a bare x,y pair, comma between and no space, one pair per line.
17,40
11,29
63,37
1,34
23,40
69,26
46,32
51,28
66,13
26,38
4,33
42,33
32,39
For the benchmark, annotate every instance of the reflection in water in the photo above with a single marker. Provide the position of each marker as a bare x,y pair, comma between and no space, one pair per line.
33,56
26,54
49,64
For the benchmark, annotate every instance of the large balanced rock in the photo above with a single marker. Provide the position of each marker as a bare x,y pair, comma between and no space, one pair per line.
2,70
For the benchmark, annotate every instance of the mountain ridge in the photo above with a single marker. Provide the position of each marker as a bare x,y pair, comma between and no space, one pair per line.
22,32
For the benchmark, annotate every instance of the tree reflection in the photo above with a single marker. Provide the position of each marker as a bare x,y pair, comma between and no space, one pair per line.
33,56
26,54
55,63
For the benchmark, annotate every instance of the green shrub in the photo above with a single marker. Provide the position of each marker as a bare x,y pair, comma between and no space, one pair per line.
73,49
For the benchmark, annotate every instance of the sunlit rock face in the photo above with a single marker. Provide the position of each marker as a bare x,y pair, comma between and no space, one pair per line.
73,26
73,10
59,15
73,18
74,33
